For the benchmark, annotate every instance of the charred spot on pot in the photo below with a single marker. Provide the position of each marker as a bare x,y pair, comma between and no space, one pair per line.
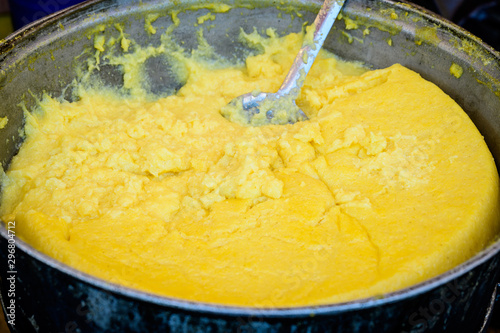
161,78
70,94
110,75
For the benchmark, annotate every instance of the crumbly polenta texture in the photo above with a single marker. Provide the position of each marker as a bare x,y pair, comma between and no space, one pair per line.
388,184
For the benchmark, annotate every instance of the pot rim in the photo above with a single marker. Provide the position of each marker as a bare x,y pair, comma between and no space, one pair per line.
11,40
237,311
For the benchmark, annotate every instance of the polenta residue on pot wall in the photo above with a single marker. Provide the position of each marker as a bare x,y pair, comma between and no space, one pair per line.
386,185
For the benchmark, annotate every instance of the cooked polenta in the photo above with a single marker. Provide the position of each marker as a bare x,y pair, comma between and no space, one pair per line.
388,183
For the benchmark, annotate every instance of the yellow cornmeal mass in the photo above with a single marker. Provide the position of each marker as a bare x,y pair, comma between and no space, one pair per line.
386,185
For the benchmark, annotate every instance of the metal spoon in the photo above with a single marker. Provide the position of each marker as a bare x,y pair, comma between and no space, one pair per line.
259,108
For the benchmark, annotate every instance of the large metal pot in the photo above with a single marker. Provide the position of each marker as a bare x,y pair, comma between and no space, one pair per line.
51,297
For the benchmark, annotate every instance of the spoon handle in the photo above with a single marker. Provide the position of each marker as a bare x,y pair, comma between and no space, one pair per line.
305,58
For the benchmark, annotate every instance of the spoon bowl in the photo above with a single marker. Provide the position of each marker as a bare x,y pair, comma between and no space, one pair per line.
260,108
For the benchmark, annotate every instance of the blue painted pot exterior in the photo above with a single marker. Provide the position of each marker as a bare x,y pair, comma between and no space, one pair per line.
24,12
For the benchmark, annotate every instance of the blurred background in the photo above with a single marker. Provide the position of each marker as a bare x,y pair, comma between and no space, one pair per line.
480,17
